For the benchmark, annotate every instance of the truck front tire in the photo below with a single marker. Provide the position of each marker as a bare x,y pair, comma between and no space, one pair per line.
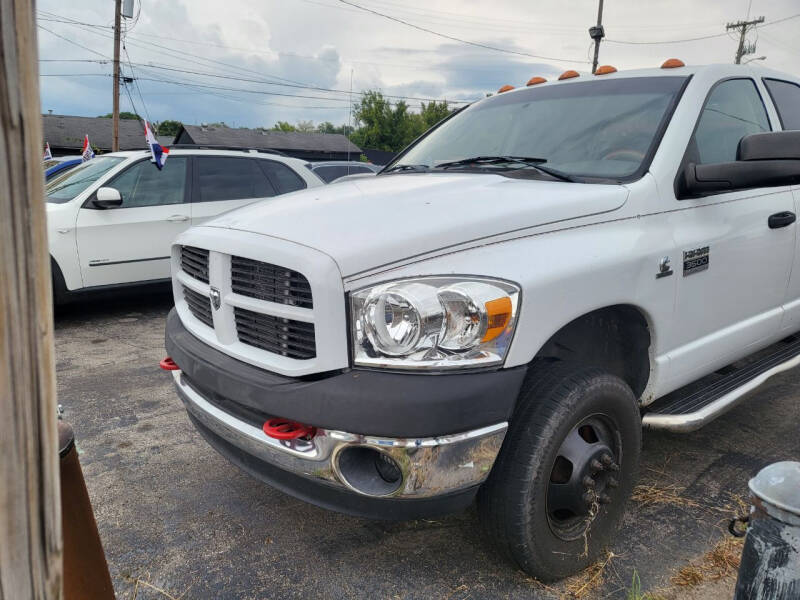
569,461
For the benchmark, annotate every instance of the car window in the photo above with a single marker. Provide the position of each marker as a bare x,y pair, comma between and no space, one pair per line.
71,183
786,97
328,174
231,178
282,176
733,110
144,185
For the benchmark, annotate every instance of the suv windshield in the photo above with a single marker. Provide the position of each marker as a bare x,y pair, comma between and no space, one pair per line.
68,186
602,129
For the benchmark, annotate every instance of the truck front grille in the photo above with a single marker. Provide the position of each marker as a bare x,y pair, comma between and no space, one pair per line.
194,262
199,305
265,281
294,339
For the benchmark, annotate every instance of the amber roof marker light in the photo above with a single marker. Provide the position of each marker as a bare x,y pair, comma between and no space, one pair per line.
605,70
536,81
569,75
505,88
672,63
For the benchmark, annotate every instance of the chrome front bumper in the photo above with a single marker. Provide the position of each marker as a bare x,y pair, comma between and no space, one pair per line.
430,466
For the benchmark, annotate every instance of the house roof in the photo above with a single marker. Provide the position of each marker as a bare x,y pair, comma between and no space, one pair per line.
277,140
63,131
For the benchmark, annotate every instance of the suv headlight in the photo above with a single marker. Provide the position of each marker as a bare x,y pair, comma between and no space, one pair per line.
433,323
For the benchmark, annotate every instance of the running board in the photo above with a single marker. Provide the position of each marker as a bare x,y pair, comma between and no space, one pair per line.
688,411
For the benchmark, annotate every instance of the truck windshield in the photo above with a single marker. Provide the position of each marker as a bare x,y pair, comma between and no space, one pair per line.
596,129
68,186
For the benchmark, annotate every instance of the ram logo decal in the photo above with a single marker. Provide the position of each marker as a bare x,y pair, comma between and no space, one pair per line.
695,261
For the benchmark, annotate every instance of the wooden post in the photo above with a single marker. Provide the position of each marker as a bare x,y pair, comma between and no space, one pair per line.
30,514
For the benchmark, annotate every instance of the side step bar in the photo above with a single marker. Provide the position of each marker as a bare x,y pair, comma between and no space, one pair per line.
684,412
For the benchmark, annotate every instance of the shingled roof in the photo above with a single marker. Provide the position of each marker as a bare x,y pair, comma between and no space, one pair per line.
319,146
63,131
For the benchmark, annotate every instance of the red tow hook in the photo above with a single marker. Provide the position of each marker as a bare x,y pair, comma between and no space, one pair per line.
284,429
168,364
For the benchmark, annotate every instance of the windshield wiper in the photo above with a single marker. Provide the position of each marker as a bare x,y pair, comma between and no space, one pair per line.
557,174
413,168
527,161
491,160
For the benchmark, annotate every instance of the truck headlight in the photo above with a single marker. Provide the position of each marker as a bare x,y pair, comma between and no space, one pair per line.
433,323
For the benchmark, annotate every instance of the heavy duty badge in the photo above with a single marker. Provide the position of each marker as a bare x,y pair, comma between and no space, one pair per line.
695,261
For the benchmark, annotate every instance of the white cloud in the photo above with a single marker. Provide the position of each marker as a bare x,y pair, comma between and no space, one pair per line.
320,42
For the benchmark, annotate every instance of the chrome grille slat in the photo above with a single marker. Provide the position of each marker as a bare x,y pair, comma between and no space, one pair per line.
293,339
265,281
194,262
199,306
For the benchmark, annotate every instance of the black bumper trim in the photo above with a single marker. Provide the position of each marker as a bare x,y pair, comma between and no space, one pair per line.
332,498
357,401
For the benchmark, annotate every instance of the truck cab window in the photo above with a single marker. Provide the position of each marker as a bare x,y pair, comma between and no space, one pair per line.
732,110
786,97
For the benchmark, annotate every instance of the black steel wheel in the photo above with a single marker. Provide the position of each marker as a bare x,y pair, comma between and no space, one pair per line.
568,464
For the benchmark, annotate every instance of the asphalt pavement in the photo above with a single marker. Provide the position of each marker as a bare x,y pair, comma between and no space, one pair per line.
178,521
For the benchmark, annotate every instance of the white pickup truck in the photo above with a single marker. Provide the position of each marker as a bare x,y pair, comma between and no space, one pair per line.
502,309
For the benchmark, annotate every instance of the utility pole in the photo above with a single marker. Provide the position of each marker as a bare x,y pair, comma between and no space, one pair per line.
744,48
30,506
597,33
115,111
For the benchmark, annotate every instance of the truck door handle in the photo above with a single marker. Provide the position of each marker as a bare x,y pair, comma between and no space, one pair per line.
185,218
781,219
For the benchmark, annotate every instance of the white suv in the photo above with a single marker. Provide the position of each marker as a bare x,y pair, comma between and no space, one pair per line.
111,221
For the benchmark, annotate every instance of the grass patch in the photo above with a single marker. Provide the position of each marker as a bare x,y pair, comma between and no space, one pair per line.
635,591
721,561
670,495
588,580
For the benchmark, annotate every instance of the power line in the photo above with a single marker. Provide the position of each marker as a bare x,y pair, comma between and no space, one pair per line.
455,39
71,41
703,37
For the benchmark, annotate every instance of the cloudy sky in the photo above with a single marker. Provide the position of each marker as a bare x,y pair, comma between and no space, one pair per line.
254,62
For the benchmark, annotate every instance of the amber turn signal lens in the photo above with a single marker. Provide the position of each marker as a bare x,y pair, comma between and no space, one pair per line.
605,70
536,80
499,314
672,63
569,74
505,88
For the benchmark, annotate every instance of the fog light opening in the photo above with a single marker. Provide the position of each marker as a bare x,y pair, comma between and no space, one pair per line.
369,471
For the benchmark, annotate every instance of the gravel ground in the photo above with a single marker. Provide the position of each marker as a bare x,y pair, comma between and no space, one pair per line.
178,521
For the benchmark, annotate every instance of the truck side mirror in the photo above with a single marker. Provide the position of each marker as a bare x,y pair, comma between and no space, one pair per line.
763,160
107,197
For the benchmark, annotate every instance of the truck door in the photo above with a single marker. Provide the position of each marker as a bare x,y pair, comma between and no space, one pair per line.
785,97
733,262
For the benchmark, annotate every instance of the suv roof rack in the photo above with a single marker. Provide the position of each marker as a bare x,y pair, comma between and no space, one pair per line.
213,147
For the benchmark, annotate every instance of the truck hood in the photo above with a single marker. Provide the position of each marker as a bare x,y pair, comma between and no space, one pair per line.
367,223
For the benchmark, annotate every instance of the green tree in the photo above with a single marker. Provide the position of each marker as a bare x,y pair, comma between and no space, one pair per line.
283,126
168,127
328,127
433,112
123,115
305,126
383,126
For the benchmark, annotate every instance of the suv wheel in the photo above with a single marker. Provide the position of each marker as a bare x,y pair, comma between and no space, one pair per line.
569,461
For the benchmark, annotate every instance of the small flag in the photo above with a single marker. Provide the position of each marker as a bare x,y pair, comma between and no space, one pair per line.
87,153
47,154
158,152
